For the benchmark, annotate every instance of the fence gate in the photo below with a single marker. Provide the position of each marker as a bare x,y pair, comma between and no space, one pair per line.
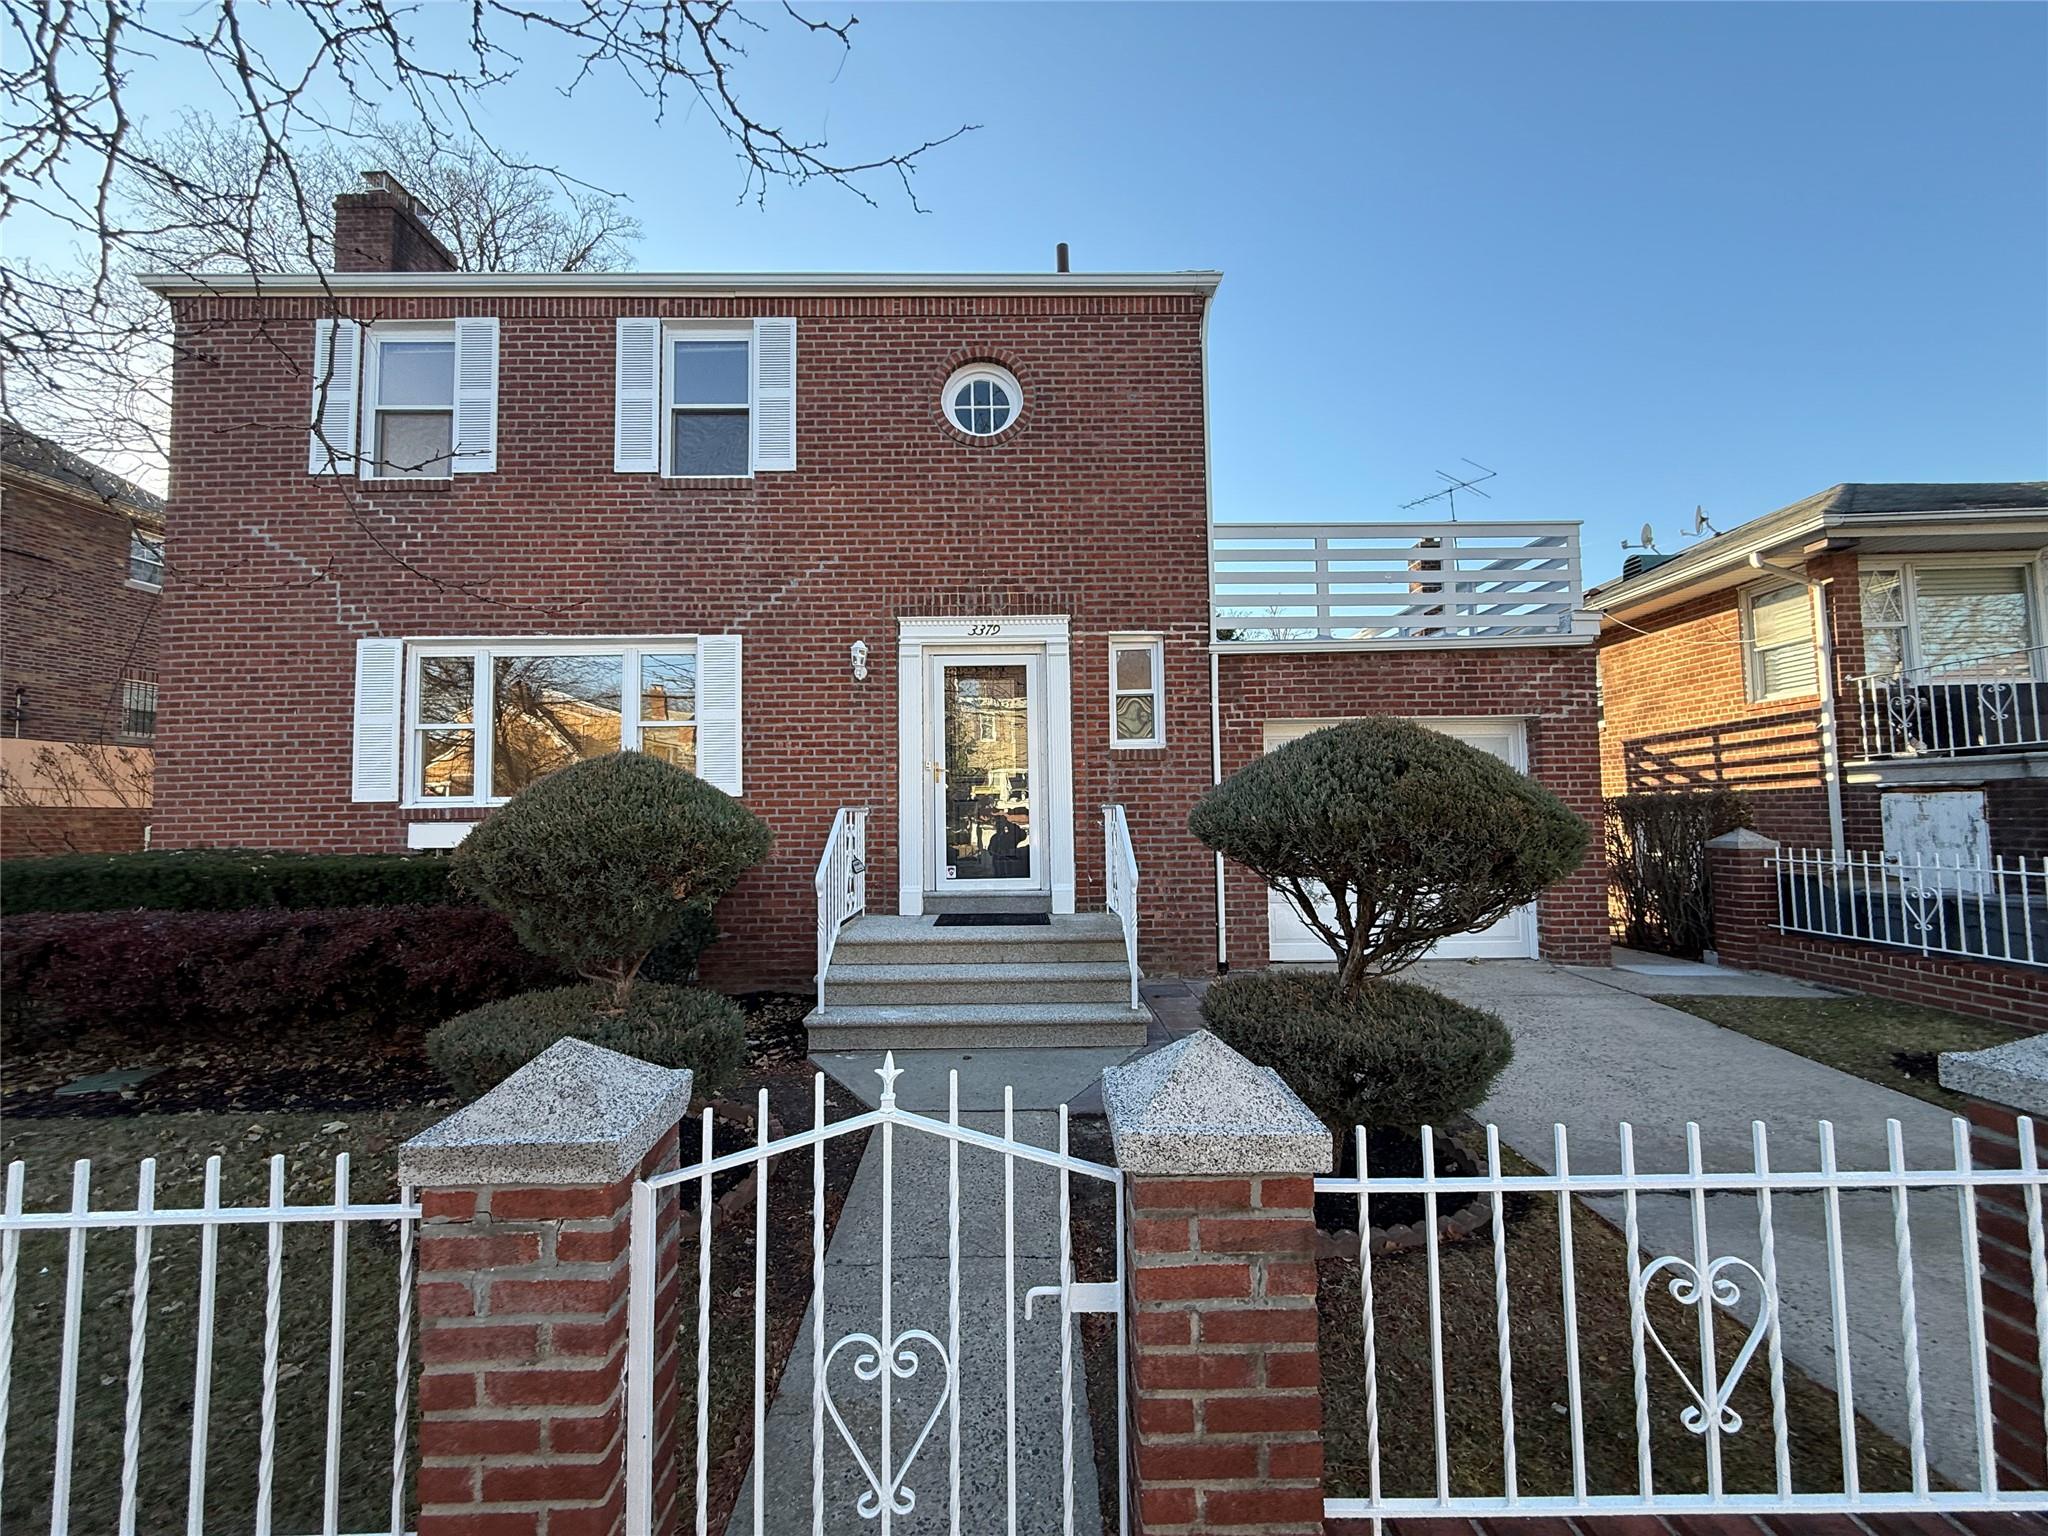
939,1376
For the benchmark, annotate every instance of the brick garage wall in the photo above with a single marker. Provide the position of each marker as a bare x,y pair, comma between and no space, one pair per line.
1551,687
71,628
1093,505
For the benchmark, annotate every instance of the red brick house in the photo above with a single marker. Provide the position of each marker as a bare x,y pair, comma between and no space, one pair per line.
931,550
82,567
1867,666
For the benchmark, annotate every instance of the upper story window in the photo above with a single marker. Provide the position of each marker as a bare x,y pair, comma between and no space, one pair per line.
1778,629
410,382
138,708
982,399
1974,618
145,559
708,377
1137,704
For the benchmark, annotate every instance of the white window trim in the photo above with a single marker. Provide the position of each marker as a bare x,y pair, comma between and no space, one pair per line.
480,653
1157,645
996,374
2034,574
1752,659
673,331
156,542
374,335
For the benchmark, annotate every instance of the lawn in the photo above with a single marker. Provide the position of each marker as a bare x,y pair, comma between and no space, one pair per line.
1895,1045
1540,1383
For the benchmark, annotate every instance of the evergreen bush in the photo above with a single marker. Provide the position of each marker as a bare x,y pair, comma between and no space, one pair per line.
669,1026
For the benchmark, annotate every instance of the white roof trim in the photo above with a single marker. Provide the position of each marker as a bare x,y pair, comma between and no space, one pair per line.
695,284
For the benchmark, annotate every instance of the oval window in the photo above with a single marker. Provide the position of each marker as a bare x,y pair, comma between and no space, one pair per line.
982,400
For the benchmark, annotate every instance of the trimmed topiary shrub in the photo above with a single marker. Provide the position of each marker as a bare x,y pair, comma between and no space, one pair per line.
596,864
1390,1055
669,1026
223,880
1388,837
162,975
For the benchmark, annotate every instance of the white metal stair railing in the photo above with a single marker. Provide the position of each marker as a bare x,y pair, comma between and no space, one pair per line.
841,883
1684,1388
880,1356
1120,884
209,1410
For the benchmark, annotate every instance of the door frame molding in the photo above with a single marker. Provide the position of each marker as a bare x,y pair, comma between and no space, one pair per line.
917,640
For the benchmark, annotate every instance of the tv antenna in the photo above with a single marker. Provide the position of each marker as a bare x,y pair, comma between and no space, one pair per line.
1455,484
1649,540
1701,524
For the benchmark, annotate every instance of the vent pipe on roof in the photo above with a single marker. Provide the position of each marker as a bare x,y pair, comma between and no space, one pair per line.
1059,257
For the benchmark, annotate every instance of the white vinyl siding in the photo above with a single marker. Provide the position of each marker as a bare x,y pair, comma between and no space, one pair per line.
1778,626
337,363
685,405
483,718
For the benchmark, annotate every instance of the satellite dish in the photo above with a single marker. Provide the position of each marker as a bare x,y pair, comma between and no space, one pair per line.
1649,537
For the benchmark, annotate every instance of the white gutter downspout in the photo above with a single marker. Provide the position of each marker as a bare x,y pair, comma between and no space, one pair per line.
1209,635
1830,743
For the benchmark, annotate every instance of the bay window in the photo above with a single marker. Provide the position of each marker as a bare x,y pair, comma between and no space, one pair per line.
487,720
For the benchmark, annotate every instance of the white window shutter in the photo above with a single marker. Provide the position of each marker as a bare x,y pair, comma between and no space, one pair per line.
636,422
773,412
718,711
380,701
476,395
337,363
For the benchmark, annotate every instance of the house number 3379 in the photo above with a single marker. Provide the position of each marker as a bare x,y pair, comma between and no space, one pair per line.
983,631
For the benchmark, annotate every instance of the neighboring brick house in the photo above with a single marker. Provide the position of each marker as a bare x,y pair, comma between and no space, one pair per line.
1868,667
81,570
933,547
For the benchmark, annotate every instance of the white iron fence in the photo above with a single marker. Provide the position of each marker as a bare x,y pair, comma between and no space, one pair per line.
841,883
1995,703
925,1314
1378,582
1120,884
1995,911
260,1415
1754,1340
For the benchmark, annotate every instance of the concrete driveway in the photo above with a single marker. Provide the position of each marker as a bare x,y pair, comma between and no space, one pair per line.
1591,1053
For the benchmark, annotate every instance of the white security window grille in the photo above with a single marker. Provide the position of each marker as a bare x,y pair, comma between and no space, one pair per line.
1137,702
146,559
1783,663
410,403
484,722
138,708
708,386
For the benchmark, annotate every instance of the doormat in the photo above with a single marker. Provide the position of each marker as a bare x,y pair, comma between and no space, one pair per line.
994,920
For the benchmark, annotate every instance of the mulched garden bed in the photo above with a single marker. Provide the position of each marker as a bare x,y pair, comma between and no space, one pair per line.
339,1068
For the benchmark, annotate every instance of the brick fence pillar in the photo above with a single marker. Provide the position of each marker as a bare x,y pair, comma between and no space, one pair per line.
525,1231
1219,1159
1743,887
2007,1088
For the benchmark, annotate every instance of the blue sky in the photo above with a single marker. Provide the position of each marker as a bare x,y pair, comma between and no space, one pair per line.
1634,257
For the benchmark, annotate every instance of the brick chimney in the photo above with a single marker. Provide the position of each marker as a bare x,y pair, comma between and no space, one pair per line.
383,229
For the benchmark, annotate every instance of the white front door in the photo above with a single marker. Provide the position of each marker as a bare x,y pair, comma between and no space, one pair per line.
985,763
1512,938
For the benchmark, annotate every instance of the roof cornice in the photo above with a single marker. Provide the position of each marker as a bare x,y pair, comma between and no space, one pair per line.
692,284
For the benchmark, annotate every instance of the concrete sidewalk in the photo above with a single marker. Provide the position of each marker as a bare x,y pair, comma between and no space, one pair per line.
920,1301
1590,1054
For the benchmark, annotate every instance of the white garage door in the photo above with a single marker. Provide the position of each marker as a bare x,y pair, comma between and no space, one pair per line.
1512,938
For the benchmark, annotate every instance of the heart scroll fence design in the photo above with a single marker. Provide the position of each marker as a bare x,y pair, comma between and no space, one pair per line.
903,1359
1719,1288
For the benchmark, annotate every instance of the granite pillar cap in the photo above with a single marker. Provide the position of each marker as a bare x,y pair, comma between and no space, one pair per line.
1198,1107
2014,1074
576,1114
1742,837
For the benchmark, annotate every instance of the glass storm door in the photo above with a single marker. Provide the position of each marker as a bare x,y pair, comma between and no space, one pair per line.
984,768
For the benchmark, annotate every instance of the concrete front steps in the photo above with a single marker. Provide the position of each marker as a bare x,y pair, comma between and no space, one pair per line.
904,983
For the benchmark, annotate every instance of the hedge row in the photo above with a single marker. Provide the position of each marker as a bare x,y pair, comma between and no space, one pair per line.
223,880
183,974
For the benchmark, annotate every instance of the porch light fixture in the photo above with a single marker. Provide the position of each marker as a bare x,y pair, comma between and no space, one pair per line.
858,654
